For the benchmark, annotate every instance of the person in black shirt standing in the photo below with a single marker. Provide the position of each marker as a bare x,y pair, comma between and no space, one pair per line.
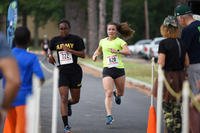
191,38
173,58
69,47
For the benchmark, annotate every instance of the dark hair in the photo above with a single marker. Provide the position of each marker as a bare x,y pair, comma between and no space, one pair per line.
22,36
65,21
124,29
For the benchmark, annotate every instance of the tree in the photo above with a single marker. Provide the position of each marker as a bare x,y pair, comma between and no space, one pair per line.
146,14
92,26
102,19
181,1
116,11
75,12
157,14
3,11
42,11
133,12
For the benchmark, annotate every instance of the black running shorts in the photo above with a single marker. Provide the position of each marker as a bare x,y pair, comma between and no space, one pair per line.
113,72
70,77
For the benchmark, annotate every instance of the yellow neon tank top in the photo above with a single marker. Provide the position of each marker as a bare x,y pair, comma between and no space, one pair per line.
112,59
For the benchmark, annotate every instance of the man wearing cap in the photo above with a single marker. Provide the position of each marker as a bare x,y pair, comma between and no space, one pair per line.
191,38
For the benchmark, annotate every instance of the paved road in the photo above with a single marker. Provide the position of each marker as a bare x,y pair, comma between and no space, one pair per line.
89,115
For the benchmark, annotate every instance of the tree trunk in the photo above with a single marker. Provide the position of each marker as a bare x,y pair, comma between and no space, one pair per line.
102,18
116,11
92,26
2,23
76,14
24,18
36,32
147,36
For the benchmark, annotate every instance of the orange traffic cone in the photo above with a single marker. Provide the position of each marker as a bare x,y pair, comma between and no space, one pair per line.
152,120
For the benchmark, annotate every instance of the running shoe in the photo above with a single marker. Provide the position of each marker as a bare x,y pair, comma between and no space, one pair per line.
67,129
69,110
117,98
109,120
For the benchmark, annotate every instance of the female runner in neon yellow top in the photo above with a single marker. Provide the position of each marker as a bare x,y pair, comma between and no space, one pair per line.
111,55
112,48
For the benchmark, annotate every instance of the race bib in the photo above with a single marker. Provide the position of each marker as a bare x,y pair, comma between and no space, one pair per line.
65,57
112,61
46,46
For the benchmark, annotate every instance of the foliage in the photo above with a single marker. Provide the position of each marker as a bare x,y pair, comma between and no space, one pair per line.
158,10
3,6
132,11
42,10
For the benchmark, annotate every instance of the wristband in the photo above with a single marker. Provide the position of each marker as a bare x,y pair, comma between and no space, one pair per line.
118,51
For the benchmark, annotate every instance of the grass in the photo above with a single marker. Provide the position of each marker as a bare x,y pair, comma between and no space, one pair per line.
136,69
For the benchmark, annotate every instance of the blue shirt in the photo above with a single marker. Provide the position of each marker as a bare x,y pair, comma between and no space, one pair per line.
28,65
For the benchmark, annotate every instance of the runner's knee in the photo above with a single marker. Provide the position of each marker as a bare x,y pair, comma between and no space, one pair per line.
109,94
75,100
64,99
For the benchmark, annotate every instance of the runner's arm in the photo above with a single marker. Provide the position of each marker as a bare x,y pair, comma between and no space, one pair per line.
125,50
9,68
97,52
77,53
51,59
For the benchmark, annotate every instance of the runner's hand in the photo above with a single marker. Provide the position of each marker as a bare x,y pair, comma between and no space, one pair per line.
94,57
52,60
65,48
113,50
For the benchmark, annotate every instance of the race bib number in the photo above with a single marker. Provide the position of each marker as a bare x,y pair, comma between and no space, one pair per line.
65,57
112,61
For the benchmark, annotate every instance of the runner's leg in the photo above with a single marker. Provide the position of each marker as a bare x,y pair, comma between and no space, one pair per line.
21,119
120,85
75,96
108,85
10,122
64,92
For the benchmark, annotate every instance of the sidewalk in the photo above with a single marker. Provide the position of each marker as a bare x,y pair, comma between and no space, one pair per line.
130,82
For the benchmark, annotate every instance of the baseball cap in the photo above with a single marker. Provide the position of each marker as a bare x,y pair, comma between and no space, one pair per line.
170,21
182,10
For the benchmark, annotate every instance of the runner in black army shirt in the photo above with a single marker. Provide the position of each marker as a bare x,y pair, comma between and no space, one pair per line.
69,47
